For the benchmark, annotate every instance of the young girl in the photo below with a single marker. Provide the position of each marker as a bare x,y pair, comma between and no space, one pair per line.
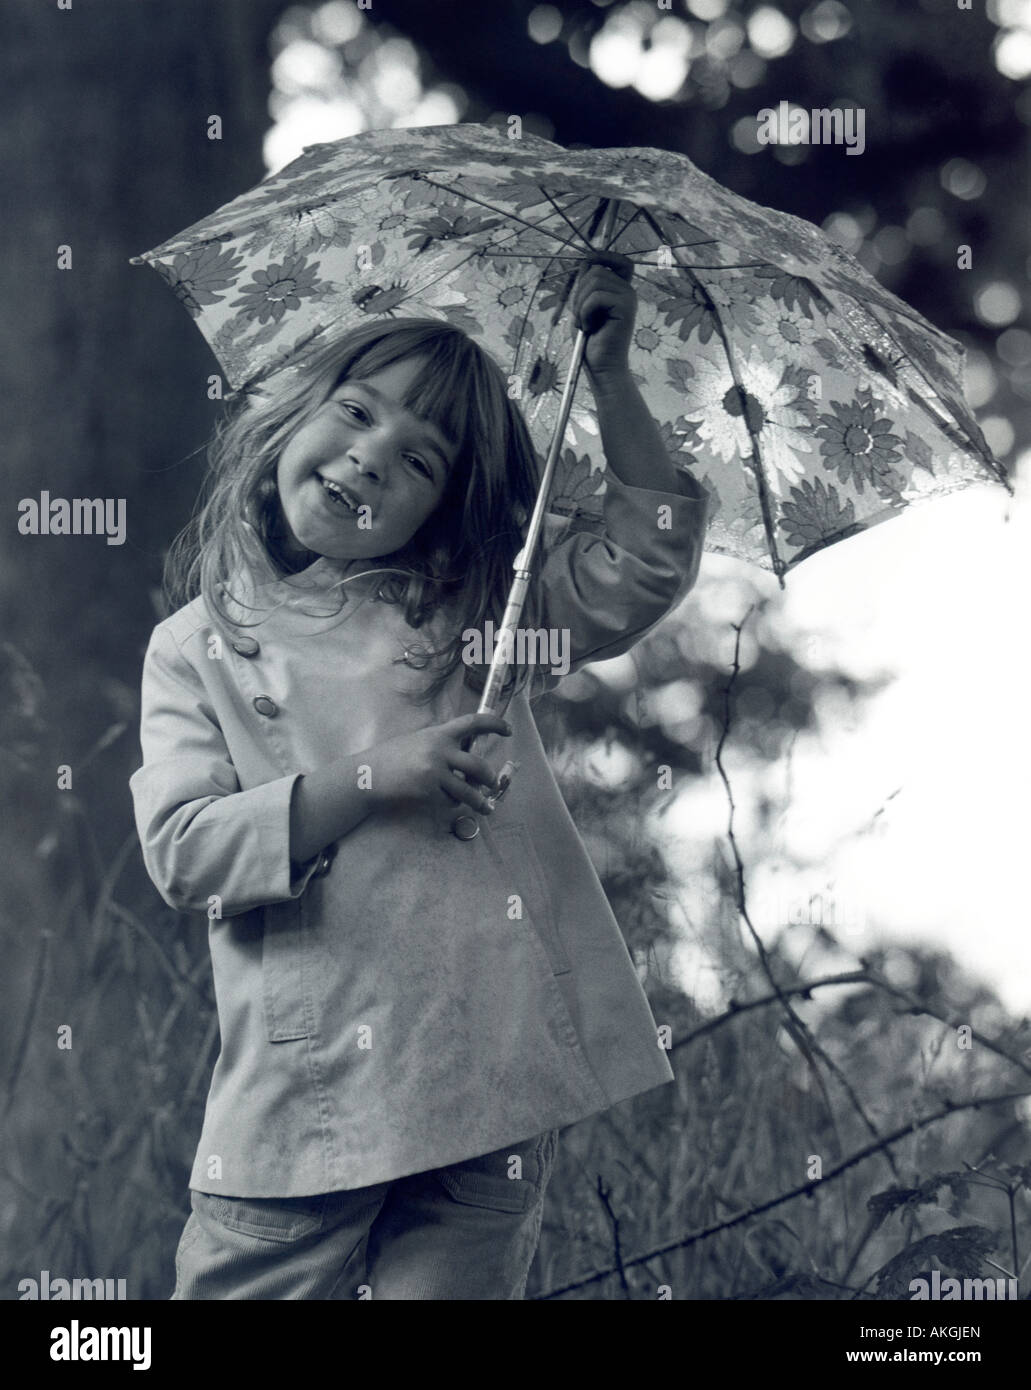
418,979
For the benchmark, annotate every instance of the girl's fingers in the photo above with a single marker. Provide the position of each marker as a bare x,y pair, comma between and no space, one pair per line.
598,306
622,265
612,291
474,769
457,790
602,278
473,725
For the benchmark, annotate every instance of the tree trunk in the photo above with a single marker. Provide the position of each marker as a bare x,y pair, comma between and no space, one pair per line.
107,154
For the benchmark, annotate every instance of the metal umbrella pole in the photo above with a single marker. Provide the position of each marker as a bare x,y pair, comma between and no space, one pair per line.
465,827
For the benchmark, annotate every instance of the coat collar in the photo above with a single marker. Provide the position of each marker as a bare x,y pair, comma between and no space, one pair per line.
324,576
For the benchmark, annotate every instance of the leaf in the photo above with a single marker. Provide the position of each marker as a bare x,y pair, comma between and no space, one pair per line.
679,372
894,1198
828,352
962,1248
918,451
574,480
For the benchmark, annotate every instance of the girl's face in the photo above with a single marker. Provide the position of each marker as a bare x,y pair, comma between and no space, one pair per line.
360,477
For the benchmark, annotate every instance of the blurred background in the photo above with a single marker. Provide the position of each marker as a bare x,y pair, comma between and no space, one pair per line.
874,737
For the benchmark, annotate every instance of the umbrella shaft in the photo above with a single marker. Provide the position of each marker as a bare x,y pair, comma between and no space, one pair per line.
500,660
523,561
521,564
505,643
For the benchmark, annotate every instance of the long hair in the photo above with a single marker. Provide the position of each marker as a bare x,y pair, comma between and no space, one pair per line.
460,557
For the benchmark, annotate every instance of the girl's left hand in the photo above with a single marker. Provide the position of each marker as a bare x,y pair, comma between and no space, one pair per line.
604,306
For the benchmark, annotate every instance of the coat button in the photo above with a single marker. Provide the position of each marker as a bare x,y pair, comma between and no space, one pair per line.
465,828
322,867
265,706
246,646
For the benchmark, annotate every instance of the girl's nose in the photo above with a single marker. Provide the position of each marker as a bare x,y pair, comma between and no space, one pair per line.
368,464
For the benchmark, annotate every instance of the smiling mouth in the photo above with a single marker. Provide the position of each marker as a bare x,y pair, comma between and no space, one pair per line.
339,496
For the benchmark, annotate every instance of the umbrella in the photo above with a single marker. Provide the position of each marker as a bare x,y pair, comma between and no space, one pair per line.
809,401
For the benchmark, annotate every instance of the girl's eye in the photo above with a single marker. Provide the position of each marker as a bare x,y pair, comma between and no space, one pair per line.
357,409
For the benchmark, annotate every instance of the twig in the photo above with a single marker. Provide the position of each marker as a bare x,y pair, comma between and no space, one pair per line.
1011,1192
178,1003
916,1005
737,1008
949,1108
110,877
797,1030
36,988
170,968
872,1225
604,1193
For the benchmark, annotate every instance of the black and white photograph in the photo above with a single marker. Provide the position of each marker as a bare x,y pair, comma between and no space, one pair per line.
514,664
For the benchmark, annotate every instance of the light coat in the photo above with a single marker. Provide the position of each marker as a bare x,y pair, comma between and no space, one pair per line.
407,999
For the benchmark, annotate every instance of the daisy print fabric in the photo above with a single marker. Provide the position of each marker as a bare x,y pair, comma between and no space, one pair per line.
808,400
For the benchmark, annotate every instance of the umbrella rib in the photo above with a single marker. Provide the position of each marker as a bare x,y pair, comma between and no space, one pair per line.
526,315
554,256
525,321
562,213
633,216
734,265
536,289
760,477
534,255
682,245
687,245
501,212
704,241
485,251
477,251
448,271
533,294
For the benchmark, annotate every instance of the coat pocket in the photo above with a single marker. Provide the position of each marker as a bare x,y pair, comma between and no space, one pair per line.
521,870
283,970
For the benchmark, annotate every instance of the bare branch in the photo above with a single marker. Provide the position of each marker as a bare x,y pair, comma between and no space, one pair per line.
604,1193
806,1189
796,1027
918,1006
737,1008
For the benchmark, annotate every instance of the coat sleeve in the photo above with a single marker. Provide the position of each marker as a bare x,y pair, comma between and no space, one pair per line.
201,835
609,589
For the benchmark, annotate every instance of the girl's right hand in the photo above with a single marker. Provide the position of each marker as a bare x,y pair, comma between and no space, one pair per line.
422,767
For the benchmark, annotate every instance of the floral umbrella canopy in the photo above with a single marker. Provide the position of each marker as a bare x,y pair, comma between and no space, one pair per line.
809,401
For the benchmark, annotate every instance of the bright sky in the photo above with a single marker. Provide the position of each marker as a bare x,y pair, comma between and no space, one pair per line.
938,599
